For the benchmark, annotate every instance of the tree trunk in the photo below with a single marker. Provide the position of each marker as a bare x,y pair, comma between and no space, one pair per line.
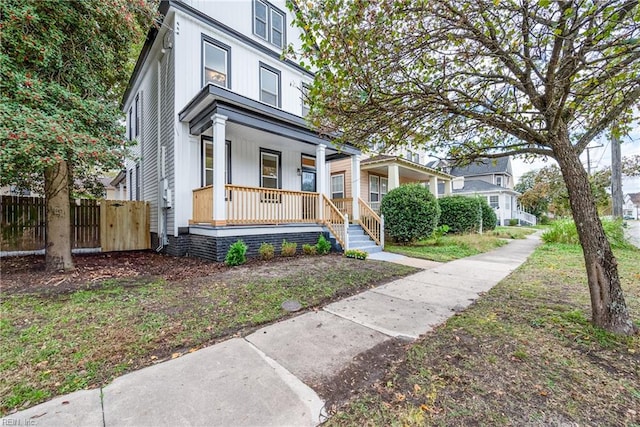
609,310
58,222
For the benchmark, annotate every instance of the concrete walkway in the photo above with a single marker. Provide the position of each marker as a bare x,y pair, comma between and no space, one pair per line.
260,380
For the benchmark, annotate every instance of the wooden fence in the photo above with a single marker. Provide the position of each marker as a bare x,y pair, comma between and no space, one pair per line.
22,224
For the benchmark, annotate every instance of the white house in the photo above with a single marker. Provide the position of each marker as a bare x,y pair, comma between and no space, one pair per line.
223,151
631,207
493,179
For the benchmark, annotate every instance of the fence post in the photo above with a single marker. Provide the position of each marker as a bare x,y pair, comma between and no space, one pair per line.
382,231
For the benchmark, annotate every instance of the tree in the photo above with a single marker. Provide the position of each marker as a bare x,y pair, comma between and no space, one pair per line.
480,78
62,71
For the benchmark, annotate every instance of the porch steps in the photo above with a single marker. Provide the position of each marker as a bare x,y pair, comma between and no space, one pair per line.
358,239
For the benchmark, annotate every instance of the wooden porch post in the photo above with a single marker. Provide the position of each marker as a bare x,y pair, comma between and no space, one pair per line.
355,185
433,185
447,188
394,177
219,166
321,177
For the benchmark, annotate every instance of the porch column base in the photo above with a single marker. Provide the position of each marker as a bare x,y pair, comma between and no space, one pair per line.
219,223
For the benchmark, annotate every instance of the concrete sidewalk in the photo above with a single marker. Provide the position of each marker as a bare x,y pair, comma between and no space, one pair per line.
260,380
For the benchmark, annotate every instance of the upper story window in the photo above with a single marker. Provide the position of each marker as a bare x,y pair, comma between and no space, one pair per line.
499,181
269,23
270,85
130,125
305,99
216,63
137,113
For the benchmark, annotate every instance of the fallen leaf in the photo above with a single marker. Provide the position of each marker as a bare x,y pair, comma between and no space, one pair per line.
416,388
176,355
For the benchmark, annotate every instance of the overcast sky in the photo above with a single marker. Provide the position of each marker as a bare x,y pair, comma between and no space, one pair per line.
600,158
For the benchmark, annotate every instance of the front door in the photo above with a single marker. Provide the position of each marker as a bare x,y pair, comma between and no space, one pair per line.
308,184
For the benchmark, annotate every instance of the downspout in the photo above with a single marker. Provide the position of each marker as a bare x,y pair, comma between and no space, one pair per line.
162,211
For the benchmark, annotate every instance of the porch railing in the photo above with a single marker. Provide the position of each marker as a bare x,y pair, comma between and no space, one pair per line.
203,204
371,223
526,217
336,222
375,207
255,205
344,205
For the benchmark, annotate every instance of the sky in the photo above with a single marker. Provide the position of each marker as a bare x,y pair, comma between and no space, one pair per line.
600,158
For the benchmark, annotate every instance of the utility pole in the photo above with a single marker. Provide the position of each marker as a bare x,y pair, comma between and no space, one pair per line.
589,157
617,199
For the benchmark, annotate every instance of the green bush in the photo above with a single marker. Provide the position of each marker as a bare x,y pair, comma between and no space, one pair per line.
489,218
309,249
513,222
411,213
288,248
564,231
356,253
461,213
266,251
323,246
237,254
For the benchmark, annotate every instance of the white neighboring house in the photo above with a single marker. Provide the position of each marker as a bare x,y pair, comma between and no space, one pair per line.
223,151
631,207
493,179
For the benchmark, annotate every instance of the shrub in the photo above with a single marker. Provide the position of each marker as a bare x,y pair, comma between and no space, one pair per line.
489,218
564,231
411,213
439,233
356,253
323,246
266,251
288,248
237,254
513,222
308,249
461,213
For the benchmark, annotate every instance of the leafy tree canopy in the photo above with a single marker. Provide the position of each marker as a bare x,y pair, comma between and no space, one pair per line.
63,67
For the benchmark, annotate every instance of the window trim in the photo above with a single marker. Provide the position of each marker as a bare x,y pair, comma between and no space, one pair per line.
269,24
138,181
278,154
499,180
204,140
130,124
206,39
497,203
343,192
131,184
278,75
137,115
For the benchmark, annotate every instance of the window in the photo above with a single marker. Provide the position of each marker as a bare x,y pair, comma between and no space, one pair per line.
269,23
130,127
416,157
207,161
337,186
507,203
269,85
130,184
216,63
494,202
409,155
499,181
137,114
138,181
269,169
305,99
384,185
374,188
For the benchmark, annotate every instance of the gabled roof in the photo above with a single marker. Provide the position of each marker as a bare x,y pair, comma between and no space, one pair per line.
483,167
477,186
635,198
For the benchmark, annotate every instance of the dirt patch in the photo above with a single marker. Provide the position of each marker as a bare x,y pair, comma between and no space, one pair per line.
366,369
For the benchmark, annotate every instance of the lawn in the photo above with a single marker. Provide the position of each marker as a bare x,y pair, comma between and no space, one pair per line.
523,354
69,332
450,247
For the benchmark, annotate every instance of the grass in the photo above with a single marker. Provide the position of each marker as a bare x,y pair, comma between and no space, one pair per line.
450,247
524,354
512,232
52,344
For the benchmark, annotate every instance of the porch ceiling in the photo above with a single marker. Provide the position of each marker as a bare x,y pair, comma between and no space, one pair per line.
406,169
249,113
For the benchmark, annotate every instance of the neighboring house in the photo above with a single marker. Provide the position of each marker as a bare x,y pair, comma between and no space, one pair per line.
380,173
631,207
119,184
223,150
493,179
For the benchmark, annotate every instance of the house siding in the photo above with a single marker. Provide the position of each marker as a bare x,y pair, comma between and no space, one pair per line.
150,136
167,129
